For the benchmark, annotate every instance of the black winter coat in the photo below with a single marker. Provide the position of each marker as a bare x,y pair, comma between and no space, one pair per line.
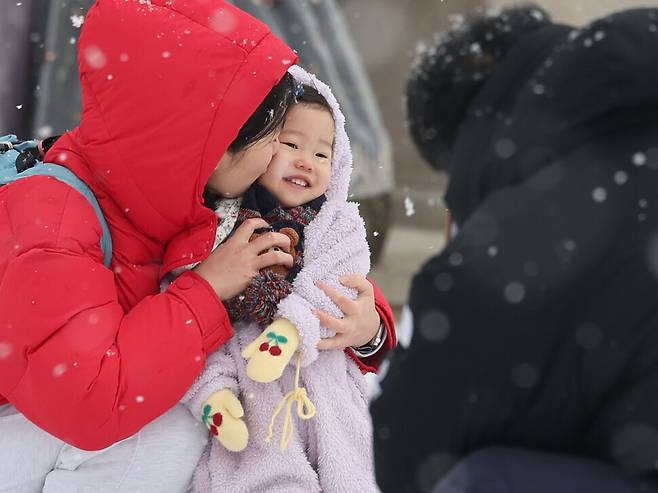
537,326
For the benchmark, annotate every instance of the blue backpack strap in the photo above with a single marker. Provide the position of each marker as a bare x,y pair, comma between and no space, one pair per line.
8,174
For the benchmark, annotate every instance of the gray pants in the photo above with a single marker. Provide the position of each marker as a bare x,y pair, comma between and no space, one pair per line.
161,457
508,470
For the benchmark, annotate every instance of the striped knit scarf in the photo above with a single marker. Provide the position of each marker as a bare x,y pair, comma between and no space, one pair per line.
258,302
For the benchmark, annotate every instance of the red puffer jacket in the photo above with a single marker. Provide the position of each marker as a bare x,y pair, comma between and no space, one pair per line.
92,354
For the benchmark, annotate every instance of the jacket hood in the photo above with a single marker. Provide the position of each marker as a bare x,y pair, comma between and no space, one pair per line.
449,71
341,164
166,86
558,89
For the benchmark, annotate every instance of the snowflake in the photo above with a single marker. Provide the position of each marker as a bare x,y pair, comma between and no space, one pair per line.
77,20
409,206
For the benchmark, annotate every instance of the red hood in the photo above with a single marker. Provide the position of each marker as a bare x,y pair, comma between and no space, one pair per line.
166,86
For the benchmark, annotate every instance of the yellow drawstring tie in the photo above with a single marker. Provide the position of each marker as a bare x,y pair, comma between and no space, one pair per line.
305,409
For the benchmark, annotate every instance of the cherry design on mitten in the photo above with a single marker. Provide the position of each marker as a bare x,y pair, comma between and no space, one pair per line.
270,352
222,413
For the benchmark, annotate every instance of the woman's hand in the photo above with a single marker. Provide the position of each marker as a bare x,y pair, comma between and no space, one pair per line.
360,318
234,263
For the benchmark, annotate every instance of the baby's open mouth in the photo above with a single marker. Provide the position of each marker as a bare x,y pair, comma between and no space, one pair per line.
300,182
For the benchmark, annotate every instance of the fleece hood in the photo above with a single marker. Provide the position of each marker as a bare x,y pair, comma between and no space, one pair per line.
341,164
166,86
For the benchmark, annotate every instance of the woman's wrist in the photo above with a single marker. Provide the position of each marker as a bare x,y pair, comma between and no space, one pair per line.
375,344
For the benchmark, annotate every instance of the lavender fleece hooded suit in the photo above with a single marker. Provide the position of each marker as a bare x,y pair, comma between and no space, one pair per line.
332,452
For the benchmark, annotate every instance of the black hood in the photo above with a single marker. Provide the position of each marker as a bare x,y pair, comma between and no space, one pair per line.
450,71
559,90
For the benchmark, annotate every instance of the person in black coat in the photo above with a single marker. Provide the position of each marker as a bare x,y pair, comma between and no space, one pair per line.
537,326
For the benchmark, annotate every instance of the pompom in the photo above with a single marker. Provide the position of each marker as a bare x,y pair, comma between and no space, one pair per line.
449,72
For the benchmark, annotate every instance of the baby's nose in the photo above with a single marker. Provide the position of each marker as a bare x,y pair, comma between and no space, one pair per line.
303,164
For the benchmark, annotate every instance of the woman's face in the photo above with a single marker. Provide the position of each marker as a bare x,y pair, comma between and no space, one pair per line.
236,172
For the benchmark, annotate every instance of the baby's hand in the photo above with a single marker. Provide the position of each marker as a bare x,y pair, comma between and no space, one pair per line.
271,351
222,414
360,320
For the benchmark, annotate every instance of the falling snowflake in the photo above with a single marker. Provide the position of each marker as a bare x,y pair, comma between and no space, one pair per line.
621,177
599,194
569,245
44,131
77,20
514,292
537,14
434,326
5,349
456,259
443,282
95,57
409,206
59,370
475,49
505,148
639,159
223,21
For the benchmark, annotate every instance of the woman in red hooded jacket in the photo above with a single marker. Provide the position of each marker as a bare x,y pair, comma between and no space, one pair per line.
93,355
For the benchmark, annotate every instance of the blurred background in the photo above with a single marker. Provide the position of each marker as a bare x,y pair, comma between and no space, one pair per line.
362,48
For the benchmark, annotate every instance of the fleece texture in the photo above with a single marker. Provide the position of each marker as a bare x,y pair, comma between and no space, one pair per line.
331,452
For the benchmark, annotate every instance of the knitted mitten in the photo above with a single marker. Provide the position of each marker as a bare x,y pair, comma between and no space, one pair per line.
271,351
222,414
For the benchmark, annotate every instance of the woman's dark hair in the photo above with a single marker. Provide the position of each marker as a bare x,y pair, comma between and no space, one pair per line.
310,95
449,73
268,117
266,120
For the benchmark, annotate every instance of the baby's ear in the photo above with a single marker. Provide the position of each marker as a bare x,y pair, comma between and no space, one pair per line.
449,71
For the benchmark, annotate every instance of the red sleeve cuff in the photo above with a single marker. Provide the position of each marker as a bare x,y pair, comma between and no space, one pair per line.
208,310
386,314
371,363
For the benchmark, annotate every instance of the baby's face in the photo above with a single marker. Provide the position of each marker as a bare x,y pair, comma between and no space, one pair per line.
300,170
